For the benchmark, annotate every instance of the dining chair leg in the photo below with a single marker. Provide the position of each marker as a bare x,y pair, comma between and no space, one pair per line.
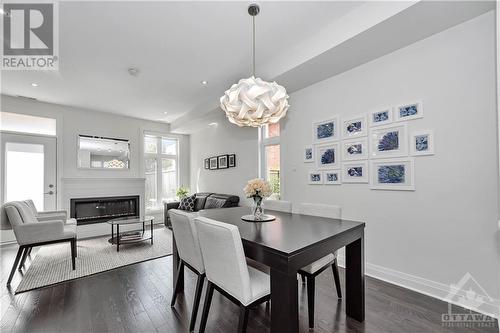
29,252
335,269
196,302
310,299
16,261
23,259
206,307
73,253
177,285
243,320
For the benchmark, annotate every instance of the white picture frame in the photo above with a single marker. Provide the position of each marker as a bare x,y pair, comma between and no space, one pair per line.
308,154
355,172
354,127
315,178
324,156
332,177
355,149
380,117
396,174
389,141
409,111
422,143
326,130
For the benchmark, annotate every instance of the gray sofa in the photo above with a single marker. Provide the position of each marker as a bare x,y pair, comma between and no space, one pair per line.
204,200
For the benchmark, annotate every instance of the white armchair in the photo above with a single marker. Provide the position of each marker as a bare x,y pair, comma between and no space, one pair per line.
31,231
50,215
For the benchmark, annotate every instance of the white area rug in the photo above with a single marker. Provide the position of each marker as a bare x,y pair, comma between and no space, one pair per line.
52,263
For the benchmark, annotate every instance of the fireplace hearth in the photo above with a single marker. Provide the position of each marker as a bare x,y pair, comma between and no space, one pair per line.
103,209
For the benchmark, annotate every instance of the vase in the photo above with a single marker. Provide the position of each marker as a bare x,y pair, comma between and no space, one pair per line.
258,211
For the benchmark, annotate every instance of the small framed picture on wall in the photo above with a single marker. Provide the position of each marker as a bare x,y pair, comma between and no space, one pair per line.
207,163
308,154
232,160
213,163
222,162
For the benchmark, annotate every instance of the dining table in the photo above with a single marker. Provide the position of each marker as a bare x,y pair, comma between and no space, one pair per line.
288,243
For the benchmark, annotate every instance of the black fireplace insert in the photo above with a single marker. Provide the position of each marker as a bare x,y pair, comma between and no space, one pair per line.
95,210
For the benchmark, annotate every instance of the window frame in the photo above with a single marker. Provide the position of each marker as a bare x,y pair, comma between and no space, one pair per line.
263,143
158,156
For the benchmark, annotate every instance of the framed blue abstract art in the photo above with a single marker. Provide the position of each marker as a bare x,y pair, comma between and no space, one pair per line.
355,149
327,156
326,130
389,141
354,127
422,143
315,177
393,174
380,117
355,172
308,154
332,177
409,111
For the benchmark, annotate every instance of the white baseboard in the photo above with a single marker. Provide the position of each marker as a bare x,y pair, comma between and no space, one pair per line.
424,286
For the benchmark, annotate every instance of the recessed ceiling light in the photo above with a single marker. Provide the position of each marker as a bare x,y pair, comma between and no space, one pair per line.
204,82
212,124
165,112
133,71
34,84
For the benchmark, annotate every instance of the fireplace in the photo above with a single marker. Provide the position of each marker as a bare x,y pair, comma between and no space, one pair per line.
95,210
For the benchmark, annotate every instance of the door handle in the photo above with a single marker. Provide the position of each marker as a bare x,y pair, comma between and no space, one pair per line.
49,192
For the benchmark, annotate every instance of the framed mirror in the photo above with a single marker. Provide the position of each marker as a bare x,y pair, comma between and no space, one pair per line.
96,152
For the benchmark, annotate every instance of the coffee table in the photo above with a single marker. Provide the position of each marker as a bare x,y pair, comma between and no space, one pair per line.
130,236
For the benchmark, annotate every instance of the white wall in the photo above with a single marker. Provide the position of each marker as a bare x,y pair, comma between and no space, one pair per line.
224,138
448,226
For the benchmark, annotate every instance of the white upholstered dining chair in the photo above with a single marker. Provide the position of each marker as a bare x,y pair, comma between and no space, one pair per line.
188,246
310,271
227,270
278,205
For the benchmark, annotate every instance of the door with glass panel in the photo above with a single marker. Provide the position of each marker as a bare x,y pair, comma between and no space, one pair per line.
28,169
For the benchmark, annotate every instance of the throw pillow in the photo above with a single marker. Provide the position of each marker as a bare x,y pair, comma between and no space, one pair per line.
187,203
214,203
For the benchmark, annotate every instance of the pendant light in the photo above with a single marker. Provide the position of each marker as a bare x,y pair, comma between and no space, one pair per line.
253,101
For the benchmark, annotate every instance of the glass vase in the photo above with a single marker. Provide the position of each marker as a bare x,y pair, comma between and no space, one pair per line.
258,211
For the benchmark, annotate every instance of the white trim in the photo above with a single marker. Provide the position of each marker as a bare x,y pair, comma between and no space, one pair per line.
420,285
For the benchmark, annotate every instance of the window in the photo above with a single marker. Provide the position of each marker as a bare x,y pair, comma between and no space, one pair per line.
22,123
160,168
270,157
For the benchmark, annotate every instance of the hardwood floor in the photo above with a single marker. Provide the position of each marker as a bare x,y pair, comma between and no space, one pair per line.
136,298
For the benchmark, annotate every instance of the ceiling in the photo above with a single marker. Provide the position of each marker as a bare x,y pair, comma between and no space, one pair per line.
174,45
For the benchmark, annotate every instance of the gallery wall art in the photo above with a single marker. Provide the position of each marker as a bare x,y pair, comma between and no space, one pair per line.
326,130
393,174
220,162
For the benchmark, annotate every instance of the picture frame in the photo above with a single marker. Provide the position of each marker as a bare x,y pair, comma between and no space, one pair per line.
308,154
355,149
354,127
381,116
315,177
213,163
332,177
326,130
389,141
327,156
231,160
422,143
207,163
409,111
222,162
355,172
393,174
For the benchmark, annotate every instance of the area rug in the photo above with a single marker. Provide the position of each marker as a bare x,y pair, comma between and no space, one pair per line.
52,263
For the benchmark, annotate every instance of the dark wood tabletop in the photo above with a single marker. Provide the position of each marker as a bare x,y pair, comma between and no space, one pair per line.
289,243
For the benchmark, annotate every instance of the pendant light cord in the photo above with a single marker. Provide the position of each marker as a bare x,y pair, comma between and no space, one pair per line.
253,45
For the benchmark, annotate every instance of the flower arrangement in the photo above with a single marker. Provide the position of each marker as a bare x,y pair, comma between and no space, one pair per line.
257,188
182,192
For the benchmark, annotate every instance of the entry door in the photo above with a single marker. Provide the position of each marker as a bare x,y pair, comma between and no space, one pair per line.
28,169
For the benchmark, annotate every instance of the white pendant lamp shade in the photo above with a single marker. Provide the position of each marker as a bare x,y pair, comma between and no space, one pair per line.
254,102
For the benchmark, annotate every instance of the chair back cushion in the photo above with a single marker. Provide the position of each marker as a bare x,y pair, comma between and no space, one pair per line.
31,205
313,209
186,239
4,220
224,258
278,205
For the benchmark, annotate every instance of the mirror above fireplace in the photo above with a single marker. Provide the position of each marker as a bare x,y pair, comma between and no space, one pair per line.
96,152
